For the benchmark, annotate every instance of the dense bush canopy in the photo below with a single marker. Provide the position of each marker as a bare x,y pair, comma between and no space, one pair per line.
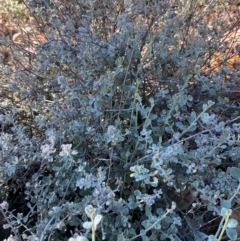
119,120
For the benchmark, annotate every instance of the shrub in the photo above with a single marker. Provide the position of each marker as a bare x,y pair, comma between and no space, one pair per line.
116,128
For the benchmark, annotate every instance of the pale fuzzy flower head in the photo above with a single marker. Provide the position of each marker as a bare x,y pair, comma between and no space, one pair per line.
90,210
11,238
4,205
52,140
76,237
149,200
66,150
47,150
113,135
111,130
5,139
80,183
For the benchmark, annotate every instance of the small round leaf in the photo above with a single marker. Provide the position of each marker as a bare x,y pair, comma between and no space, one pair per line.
231,233
232,223
235,172
97,220
87,225
212,238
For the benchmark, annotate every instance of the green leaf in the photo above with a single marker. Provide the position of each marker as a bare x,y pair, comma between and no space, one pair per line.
97,220
231,233
143,232
235,172
168,220
125,211
226,204
148,211
137,193
212,238
151,100
168,130
232,223
192,117
193,127
25,219
146,224
180,126
133,205
87,225
153,117
204,107
144,238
